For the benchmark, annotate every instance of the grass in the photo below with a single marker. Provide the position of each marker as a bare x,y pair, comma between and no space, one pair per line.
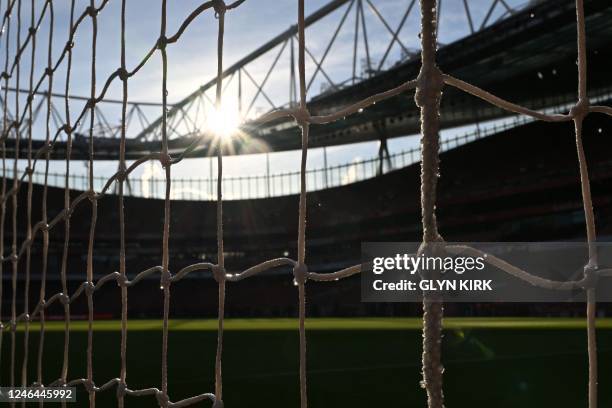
351,362
374,323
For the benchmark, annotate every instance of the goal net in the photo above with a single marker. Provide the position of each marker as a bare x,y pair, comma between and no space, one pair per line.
21,38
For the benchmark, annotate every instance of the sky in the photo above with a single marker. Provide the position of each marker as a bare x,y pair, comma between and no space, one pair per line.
192,62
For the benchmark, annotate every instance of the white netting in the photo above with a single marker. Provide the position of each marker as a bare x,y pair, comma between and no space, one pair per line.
428,86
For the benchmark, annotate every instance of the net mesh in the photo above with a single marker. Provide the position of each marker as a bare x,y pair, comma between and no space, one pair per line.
428,86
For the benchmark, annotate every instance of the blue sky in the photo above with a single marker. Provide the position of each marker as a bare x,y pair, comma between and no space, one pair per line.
192,61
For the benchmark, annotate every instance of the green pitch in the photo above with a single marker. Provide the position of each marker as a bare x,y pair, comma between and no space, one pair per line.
338,324
351,362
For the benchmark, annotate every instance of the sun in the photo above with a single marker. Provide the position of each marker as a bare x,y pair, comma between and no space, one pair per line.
223,122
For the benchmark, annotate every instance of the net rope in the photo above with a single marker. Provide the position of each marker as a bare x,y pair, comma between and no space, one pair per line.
428,88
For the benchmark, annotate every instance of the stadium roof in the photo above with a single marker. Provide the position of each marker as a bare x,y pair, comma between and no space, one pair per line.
535,48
